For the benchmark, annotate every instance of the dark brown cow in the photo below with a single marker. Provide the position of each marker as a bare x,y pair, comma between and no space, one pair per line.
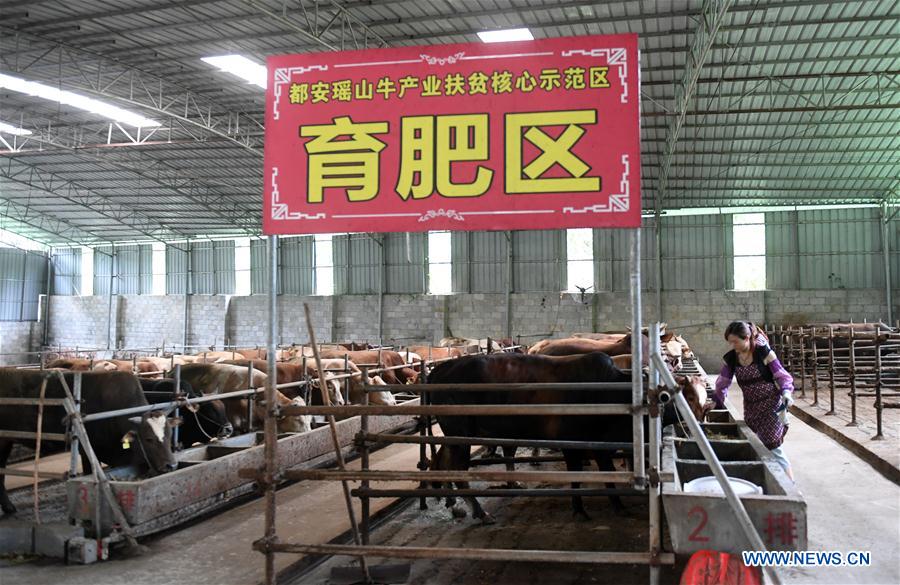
519,369
143,441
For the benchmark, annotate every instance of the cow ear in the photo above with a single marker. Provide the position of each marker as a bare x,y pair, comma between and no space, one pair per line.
135,420
680,380
175,422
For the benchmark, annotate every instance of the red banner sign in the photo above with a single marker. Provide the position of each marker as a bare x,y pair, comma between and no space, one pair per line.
525,135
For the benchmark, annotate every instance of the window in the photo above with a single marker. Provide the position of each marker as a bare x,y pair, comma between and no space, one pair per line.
87,271
439,263
749,233
324,254
242,266
580,259
159,268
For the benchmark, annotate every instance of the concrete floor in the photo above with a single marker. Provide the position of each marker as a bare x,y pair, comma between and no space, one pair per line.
850,507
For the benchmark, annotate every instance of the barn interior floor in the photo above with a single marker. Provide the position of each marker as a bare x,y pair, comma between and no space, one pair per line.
521,523
884,453
839,489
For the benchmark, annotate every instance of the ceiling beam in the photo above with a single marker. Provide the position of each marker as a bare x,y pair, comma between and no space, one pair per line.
36,178
105,77
704,38
53,227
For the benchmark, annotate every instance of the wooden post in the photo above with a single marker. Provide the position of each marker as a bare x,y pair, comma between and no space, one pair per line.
852,375
878,406
37,451
815,369
831,366
802,365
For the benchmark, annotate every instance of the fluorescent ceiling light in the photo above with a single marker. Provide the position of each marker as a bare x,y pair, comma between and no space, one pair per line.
503,36
10,129
75,100
240,66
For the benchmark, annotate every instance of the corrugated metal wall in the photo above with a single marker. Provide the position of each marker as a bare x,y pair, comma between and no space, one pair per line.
894,248
808,249
405,261
693,254
23,277
479,261
611,258
259,282
176,269
212,267
132,266
135,269
65,265
357,264
696,254
539,260
296,265
824,249
104,264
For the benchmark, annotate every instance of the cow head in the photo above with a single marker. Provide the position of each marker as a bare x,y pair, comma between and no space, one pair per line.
213,418
296,423
694,390
384,397
333,387
151,441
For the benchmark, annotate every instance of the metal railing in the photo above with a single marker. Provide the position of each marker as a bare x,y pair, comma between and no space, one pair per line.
840,356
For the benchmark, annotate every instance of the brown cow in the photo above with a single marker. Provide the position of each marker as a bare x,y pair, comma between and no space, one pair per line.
387,359
74,364
289,372
600,336
578,345
435,353
222,378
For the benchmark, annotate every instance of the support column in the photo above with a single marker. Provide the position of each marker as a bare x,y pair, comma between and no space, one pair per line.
112,272
637,386
659,276
509,283
187,292
886,252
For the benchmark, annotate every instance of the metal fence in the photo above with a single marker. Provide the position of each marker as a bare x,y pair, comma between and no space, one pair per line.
862,360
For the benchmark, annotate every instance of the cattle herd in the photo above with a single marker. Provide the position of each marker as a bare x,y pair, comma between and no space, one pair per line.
145,442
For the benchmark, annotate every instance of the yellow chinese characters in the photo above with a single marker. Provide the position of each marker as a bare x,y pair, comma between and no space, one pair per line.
521,178
444,155
497,82
351,162
429,147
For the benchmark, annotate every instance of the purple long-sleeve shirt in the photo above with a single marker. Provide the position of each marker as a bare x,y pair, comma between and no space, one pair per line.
782,378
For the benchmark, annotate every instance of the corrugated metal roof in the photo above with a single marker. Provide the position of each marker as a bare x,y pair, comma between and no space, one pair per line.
797,103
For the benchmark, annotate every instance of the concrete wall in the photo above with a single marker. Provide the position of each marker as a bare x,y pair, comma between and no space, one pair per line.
147,321
81,321
16,336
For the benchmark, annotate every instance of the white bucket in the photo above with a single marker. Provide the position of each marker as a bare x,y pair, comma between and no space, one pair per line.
710,485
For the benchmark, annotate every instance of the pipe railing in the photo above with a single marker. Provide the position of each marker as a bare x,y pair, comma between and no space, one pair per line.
863,364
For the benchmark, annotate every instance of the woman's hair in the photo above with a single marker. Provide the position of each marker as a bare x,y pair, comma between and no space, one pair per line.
745,330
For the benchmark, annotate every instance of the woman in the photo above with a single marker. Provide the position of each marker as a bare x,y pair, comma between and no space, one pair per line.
766,385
